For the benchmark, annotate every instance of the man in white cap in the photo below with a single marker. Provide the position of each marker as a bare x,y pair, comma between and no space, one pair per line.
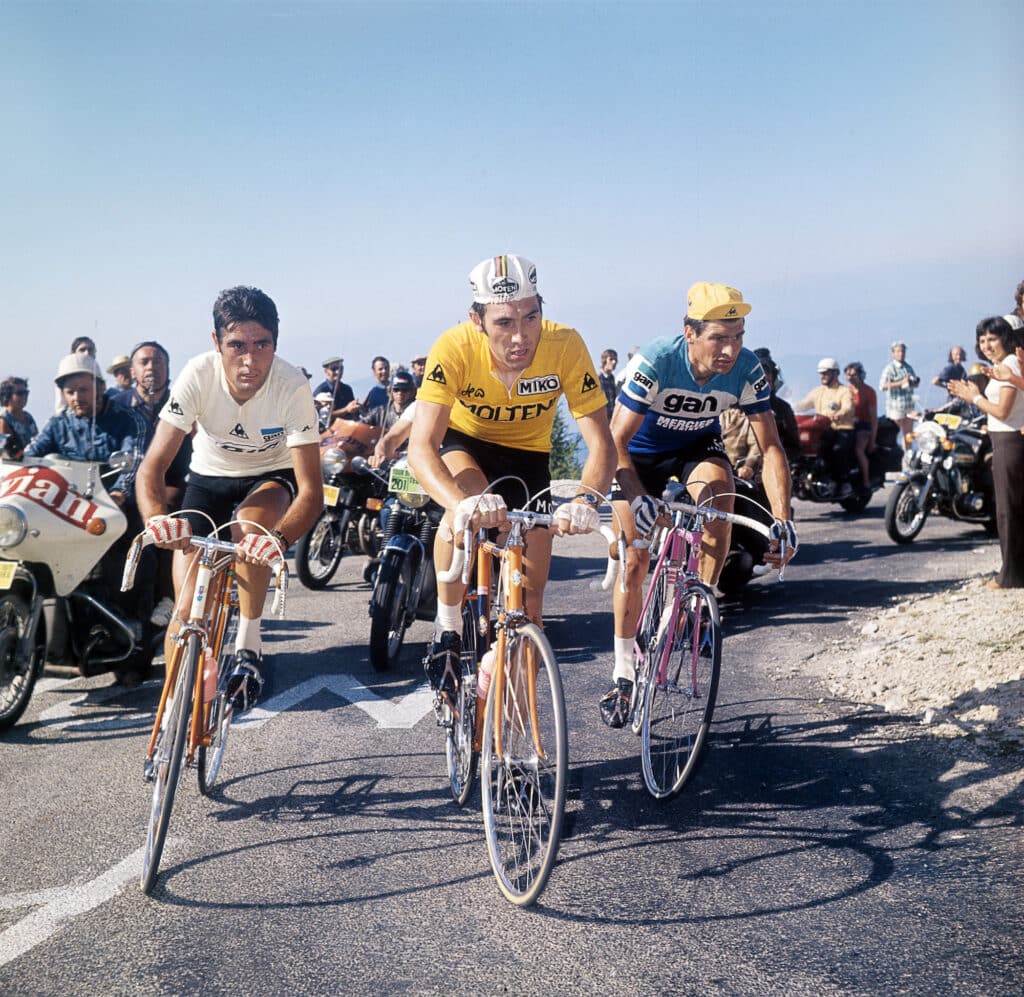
833,400
485,410
667,425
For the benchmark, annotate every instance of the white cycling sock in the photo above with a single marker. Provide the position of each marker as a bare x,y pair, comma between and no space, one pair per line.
448,618
248,635
624,665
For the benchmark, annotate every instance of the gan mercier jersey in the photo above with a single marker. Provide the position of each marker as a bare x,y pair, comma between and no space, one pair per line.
459,375
659,384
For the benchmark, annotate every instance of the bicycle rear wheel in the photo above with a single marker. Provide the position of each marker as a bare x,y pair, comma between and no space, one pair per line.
459,730
680,694
523,778
170,748
209,759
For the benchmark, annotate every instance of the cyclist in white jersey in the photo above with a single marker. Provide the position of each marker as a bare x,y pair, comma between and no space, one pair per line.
255,456
666,423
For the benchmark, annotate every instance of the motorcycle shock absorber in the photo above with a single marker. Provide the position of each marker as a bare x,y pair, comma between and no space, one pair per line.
394,522
426,533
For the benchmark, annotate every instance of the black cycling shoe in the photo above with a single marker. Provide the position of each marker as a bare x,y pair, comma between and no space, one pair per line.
615,704
443,665
245,683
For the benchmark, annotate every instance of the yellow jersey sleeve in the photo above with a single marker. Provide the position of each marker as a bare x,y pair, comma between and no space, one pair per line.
460,375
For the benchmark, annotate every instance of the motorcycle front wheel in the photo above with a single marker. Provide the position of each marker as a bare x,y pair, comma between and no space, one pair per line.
319,551
18,671
904,517
388,621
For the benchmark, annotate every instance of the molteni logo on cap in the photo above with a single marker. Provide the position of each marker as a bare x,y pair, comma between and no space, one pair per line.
505,285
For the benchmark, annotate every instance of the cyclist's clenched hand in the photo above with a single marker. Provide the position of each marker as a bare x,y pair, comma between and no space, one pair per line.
572,518
258,548
645,514
480,512
169,531
782,530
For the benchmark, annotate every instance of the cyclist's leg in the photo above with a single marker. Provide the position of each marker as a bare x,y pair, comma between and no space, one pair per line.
713,477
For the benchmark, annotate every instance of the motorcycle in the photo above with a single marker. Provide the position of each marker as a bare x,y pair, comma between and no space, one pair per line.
747,547
949,474
350,520
404,588
813,479
56,523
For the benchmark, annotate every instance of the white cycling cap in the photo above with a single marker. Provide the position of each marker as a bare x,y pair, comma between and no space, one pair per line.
503,278
827,363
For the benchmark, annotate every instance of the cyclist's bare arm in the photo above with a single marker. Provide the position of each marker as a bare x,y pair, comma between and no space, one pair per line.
309,498
625,425
599,466
776,478
150,491
389,443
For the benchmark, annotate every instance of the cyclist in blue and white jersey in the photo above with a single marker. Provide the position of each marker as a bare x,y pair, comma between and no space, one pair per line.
666,424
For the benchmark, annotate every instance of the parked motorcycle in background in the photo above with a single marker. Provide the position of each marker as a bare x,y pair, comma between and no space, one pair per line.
404,588
56,523
813,480
949,474
350,520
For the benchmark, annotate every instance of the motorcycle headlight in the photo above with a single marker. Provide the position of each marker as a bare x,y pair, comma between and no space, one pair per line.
13,526
930,437
334,462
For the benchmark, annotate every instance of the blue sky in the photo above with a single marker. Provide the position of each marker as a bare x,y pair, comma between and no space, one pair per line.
856,169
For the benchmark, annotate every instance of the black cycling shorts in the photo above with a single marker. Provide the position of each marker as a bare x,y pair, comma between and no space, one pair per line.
496,461
654,470
219,497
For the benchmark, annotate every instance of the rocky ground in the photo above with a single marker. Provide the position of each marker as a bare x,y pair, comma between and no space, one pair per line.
953,660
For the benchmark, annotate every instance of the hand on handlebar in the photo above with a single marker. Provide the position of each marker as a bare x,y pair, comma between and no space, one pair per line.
783,536
480,512
646,511
577,517
169,531
260,549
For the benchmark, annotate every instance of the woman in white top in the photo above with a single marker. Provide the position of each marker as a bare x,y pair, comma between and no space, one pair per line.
1003,403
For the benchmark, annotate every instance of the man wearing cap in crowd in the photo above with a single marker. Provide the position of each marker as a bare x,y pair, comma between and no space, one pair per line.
343,399
417,365
667,424
485,411
899,382
400,395
833,400
91,428
121,369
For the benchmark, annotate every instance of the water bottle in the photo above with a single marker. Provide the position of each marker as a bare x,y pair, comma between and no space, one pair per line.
483,682
209,676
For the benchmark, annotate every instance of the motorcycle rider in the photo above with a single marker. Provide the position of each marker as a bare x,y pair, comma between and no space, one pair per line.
785,420
834,401
400,395
256,447
865,419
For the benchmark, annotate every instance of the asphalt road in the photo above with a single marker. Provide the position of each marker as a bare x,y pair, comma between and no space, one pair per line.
824,847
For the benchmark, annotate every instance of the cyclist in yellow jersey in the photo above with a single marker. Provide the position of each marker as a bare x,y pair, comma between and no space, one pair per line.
485,409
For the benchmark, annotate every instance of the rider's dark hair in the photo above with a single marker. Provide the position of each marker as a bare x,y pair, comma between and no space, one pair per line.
244,304
7,387
998,327
482,309
697,324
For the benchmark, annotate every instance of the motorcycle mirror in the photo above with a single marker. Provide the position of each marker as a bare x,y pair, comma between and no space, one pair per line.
360,466
121,460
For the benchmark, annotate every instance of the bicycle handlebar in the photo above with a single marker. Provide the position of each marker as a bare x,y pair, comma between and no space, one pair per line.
459,567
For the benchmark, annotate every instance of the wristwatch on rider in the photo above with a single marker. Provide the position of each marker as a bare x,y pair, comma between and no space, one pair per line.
589,497
281,539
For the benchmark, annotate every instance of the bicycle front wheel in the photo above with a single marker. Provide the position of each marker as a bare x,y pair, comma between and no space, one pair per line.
524,765
679,700
170,749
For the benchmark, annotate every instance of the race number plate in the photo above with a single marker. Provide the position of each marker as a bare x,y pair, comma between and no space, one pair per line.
6,574
331,495
948,420
402,479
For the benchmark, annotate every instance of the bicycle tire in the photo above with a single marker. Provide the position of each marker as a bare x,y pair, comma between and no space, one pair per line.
643,647
319,550
170,749
209,759
462,759
682,686
523,790
390,617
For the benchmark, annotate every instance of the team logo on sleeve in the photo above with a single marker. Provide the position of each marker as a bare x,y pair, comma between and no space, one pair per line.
174,408
589,384
760,384
437,375
643,380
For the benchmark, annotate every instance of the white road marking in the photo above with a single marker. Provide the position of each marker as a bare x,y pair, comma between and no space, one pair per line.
60,904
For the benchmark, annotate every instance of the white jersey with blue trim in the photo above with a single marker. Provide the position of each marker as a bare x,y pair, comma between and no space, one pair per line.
678,412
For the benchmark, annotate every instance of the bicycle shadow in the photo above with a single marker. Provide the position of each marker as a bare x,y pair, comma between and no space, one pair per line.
781,817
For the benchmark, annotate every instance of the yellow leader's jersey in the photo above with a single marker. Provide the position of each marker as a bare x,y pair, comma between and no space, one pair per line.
460,375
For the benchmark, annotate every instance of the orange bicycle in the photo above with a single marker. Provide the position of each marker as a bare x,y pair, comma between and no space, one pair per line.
194,714
522,740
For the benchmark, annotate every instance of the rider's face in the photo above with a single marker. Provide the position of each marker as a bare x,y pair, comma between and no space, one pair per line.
247,353
149,367
716,349
79,392
513,332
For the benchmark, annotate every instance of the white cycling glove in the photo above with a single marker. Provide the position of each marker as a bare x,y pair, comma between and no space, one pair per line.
487,505
581,518
260,548
645,514
168,529
784,529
